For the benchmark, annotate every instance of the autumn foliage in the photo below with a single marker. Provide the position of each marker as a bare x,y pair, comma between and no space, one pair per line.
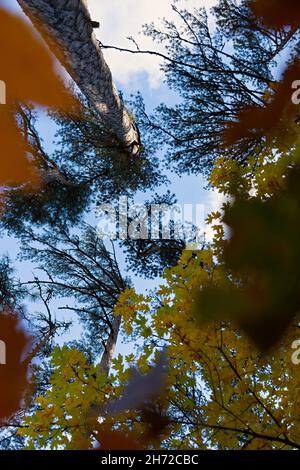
260,255
212,362
28,70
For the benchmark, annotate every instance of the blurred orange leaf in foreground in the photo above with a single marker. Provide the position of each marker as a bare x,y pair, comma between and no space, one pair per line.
275,117
28,70
116,440
278,113
15,166
27,67
15,342
277,13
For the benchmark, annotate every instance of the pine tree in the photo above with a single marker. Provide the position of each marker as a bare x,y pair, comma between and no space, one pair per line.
68,28
216,71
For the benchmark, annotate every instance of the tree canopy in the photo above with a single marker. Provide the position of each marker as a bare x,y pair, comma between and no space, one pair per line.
213,349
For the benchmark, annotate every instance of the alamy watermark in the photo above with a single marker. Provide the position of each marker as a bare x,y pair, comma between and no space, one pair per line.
296,354
152,222
2,92
296,94
2,353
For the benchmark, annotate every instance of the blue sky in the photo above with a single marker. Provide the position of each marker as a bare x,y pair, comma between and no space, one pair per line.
120,19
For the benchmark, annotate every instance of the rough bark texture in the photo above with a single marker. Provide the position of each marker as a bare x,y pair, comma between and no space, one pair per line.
67,24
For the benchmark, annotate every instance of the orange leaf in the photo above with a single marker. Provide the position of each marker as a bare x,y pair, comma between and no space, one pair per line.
116,440
28,70
15,168
27,66
15,342
279,111
277,13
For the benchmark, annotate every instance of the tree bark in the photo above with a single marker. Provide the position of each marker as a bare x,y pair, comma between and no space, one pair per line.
110,347
67,27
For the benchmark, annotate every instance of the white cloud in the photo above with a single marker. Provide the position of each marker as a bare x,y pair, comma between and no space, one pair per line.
122,18
215,201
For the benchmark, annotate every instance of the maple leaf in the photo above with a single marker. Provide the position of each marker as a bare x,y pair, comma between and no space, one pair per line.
262,258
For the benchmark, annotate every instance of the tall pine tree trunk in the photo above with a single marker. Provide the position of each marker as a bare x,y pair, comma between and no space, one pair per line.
110,347
68,25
